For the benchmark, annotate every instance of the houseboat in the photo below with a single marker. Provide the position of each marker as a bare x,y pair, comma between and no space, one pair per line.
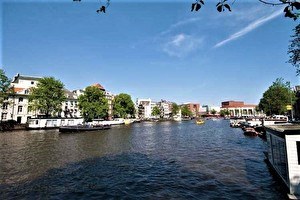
51,123
284,155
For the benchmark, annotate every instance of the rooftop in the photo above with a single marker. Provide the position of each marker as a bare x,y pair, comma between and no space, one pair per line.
25,77
99,86
285,128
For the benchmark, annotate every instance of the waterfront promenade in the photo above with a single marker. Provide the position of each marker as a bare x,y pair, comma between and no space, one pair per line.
164,160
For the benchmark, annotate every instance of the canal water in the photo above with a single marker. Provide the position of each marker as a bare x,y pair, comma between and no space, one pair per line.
167,160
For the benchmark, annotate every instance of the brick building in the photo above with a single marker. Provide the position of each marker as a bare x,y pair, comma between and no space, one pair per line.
239,108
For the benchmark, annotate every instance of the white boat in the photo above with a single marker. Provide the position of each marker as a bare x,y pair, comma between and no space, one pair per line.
255,122
129,121
236,122
276,119
51,123
178,117
116,121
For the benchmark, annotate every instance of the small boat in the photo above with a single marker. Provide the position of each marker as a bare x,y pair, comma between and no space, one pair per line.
250,131
200,121
81,128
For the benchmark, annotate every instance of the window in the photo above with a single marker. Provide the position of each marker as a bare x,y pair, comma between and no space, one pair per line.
298,151
20,109
20,99
32,82
4,116
4,106
26,91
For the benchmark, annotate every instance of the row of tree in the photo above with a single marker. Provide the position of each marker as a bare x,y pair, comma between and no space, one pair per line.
48,96
277,97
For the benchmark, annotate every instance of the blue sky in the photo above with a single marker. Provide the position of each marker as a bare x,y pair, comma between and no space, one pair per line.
150,49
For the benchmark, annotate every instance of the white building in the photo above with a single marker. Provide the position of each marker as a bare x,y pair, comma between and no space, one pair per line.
70,106
144,108
239,108
16,106
166,108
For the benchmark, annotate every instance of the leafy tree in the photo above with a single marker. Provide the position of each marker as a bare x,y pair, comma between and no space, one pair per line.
93,104
213,111
123,106
4,86
175,109
277,97
47,97
294,50
185,111
290,10
156,111
224,112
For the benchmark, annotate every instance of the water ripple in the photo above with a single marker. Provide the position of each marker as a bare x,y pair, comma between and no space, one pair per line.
140,161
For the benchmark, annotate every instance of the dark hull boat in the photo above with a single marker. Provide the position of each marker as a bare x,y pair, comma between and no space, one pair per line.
250,131
81,128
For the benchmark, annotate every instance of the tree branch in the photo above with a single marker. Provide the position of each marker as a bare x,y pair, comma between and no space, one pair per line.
273,4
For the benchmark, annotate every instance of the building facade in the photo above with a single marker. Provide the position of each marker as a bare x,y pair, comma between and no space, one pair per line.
194,108
16,106
144,108
166,109
70,106
239,108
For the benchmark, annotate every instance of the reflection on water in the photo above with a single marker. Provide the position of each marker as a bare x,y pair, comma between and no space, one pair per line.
145,160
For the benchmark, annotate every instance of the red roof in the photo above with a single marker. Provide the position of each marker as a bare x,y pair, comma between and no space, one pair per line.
98,86
16,90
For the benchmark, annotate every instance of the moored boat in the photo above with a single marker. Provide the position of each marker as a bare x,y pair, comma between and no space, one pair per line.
200,121
236,122
276,119
116,121
250,131
51,123
81,128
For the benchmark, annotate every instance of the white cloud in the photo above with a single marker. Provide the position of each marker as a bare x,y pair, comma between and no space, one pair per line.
180,23
257,23
181,45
